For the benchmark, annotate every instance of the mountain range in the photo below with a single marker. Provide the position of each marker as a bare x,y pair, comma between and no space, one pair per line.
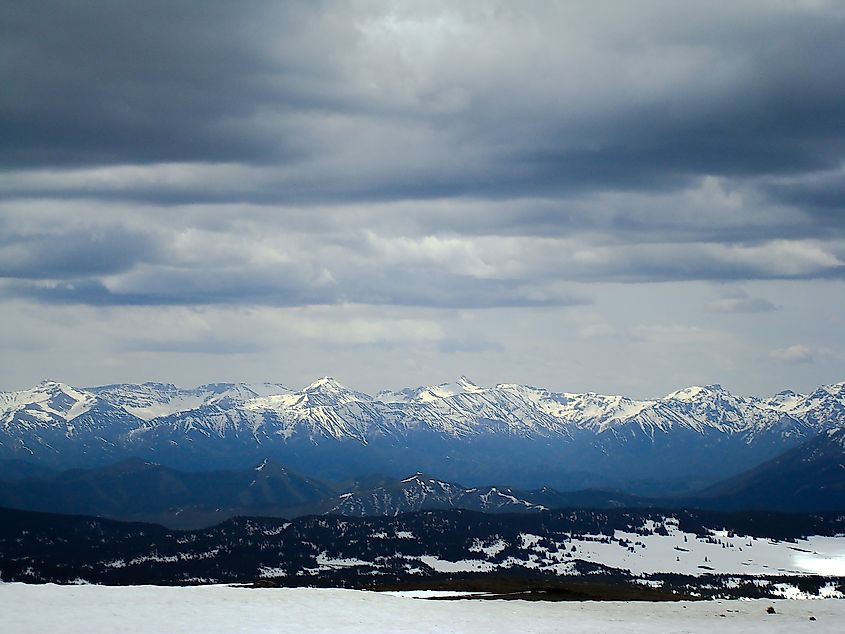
520,435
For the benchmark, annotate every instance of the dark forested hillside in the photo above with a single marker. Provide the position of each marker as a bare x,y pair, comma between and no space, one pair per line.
379,551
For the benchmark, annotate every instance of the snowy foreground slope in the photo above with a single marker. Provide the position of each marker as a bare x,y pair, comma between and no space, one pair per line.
211,609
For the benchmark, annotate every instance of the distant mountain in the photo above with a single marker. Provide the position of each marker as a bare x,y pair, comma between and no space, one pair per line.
153,400
21,469
62,425
522,435
139,490
422,493
810,477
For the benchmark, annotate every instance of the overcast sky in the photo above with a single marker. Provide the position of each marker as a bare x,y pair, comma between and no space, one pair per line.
622,197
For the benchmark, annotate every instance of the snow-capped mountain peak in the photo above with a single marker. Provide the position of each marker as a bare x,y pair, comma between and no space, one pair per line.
150,400
323,384
327,390
824,407
784,400
835,389
695,393
467,385
49,401
429,393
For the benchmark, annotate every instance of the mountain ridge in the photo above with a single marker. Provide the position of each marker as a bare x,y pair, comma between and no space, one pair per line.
474,434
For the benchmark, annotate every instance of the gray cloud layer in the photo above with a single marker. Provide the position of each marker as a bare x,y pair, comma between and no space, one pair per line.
421,156
545,96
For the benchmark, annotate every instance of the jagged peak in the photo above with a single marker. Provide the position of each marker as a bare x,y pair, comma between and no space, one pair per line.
695,392
329,391
447,390
52,384
51,389
835,388
323,384
155,384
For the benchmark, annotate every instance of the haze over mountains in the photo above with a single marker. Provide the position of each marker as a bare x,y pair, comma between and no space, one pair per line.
810,477
508,434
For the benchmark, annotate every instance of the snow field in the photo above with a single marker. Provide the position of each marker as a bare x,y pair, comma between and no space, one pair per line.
685,553
212,609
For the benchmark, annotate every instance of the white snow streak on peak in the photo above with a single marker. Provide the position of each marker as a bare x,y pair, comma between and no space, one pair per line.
419,476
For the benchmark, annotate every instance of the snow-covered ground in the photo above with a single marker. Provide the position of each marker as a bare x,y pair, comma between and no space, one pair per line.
685,553
209,609
674,551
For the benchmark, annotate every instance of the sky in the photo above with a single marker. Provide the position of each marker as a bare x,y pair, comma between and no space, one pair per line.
586,196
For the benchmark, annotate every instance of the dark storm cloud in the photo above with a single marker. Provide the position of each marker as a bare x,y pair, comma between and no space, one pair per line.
822,196
121,82
71,252
710,90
